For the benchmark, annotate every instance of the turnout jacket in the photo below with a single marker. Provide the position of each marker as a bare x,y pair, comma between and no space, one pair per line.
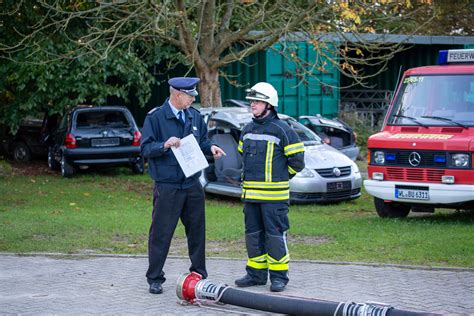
272,153
160,124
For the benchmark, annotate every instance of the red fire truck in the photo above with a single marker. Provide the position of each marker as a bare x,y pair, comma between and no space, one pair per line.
424,156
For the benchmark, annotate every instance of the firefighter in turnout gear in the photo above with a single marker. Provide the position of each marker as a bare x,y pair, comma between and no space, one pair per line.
272,154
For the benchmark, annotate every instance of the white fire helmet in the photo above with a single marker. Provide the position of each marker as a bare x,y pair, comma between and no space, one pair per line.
263,91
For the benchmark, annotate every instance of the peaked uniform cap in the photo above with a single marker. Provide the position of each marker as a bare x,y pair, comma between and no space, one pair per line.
185,84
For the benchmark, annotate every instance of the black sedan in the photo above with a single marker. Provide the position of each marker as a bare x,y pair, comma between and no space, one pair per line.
95,136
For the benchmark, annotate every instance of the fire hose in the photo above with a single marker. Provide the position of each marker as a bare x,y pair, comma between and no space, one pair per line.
193,289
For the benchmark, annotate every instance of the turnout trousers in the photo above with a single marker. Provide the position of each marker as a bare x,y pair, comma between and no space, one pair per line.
169,205
265,237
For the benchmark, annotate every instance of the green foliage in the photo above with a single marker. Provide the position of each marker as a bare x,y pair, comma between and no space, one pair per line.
445,17
53,72
205,36
31,86
56,54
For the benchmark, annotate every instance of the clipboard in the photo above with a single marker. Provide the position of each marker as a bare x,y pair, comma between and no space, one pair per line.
190,156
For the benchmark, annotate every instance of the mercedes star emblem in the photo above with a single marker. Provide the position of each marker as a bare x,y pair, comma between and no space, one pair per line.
414,159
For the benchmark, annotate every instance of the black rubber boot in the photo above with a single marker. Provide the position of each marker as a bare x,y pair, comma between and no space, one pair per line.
277,286
247,281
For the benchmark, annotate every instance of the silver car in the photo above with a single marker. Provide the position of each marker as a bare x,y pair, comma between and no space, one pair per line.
329,175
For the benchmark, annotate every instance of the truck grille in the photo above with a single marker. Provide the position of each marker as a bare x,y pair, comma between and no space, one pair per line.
414,174
427,158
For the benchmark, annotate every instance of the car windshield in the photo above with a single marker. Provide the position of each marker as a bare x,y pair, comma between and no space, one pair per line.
435,100
307,136
91,119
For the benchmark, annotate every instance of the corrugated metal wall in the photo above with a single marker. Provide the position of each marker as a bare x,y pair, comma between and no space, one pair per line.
318,94
295,100
415,56
300,93
243,75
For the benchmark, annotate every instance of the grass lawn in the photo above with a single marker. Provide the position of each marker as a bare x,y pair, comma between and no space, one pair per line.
109,211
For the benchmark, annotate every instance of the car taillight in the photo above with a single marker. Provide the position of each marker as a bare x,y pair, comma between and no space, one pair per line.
136,138
70,141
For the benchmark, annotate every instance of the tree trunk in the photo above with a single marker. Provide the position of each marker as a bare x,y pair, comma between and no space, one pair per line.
209,87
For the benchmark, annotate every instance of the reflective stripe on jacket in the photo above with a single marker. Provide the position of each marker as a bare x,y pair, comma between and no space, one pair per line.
272,154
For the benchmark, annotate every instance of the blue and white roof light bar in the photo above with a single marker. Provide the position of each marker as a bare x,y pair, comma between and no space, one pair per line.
456,56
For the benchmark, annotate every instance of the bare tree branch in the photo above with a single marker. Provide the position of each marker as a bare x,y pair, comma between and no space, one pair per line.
209,34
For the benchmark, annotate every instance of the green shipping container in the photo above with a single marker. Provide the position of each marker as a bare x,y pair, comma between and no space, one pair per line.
299,93
305,94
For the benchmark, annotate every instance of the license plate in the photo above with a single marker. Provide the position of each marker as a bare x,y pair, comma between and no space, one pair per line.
338,186
105,142
412,194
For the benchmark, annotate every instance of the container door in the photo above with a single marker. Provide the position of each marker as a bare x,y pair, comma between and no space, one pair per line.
300,93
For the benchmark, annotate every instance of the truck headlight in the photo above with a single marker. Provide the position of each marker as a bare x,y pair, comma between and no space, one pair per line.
305,173
379,158
460,160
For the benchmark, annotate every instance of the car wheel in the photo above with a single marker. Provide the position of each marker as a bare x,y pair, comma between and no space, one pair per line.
391,209
52,162
67,170
21,152
138,167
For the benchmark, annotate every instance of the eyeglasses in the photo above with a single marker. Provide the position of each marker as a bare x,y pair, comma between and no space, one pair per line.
255,94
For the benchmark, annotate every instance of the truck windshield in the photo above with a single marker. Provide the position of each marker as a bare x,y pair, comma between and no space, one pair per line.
434,100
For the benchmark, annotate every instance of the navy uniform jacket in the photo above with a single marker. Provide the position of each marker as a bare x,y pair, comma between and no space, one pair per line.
161,124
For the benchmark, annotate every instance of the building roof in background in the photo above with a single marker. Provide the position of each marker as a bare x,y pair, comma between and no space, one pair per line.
389,38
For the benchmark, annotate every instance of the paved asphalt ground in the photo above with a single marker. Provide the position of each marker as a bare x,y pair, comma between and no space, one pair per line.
116,285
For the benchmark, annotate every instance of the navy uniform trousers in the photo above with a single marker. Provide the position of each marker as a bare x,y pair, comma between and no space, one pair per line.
265,237
169,205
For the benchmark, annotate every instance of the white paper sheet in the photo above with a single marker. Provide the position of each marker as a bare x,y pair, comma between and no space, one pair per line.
189,156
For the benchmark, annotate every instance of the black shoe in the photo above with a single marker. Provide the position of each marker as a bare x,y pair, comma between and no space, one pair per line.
277,286
247,281
156,288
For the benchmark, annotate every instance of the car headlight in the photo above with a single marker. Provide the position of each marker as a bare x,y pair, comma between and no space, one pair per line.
305,173
379,157
460,160
355,168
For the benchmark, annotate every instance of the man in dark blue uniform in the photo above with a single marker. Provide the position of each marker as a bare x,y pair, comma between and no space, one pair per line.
175,196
